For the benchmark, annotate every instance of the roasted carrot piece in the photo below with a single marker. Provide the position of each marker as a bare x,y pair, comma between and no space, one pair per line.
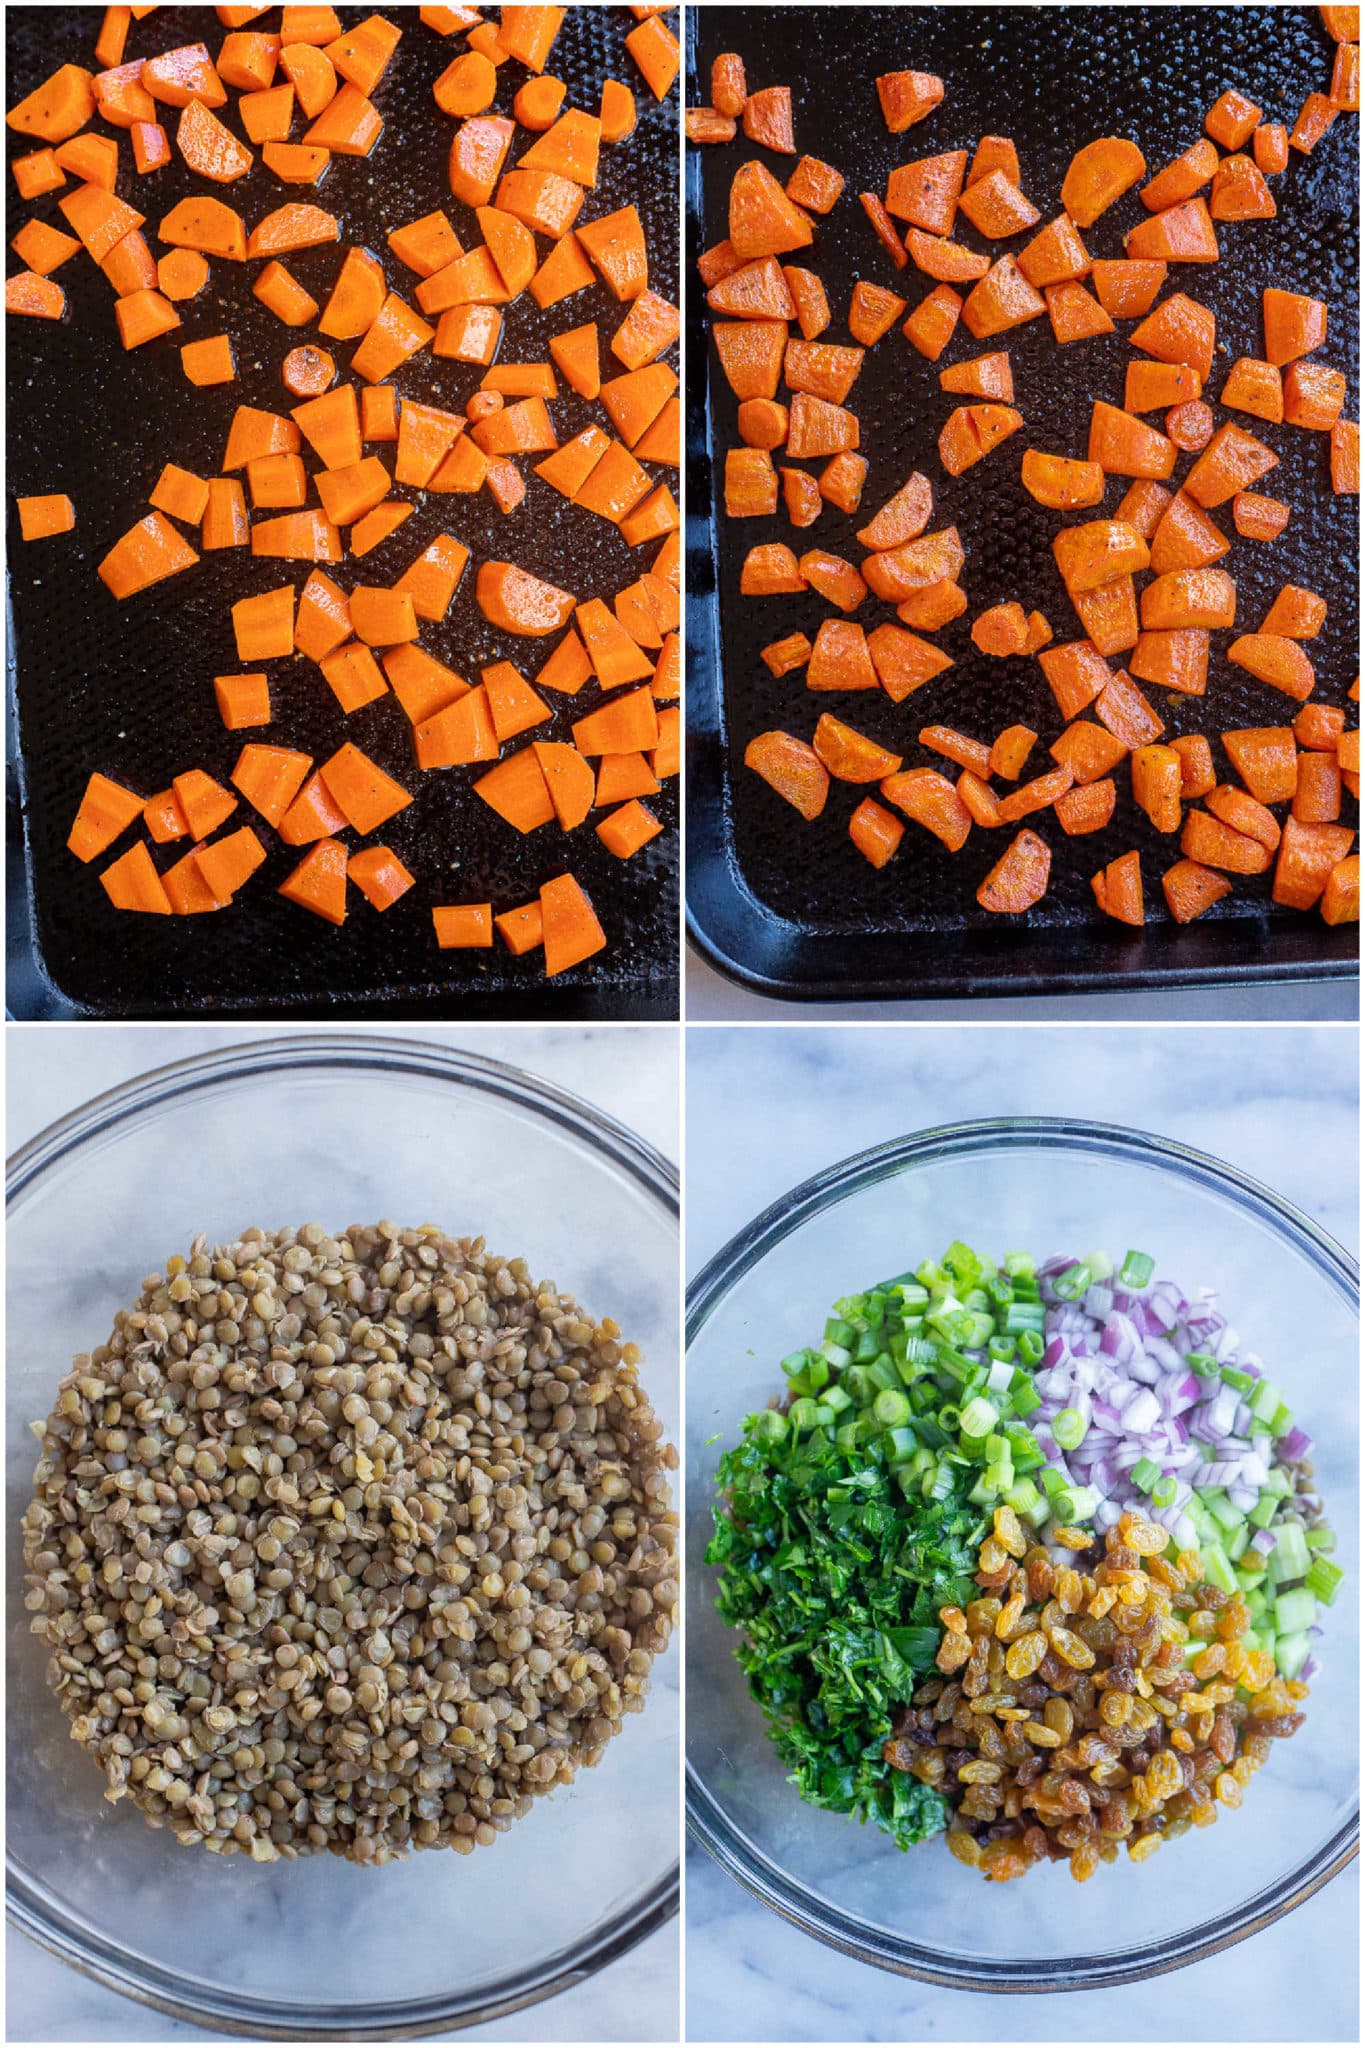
1319,727
1019,878
1061,483
791,768
1002,630
36,174
1344,445
1157,785
1087,750
1275,659
1190,889
1037,795
1317,796
907,97
1315,117
1213,844
1002,299
1056,255
896,573
1086,807
1313,396
1126,289
996,207
1099,174
926,193
1118,889
884,228
971,431
938,256
1307,856
875,832
1122,707
931,800
844,658
979,799
58,108
931,326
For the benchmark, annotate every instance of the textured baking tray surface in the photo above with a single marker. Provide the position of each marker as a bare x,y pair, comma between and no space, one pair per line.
128,688
794,908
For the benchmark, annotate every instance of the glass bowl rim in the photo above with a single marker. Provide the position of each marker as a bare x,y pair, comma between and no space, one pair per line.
34,1909
707,1822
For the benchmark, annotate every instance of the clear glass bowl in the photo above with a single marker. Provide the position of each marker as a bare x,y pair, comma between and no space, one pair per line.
1050,1185
338,1129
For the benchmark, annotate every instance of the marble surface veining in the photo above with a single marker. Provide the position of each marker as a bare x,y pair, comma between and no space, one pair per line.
765,1109
629,1071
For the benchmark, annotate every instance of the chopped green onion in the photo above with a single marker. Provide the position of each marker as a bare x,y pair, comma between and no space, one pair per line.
1146,1473
1002,1349
1068,1429
1203,1364
1031,1346
801,1415
1136,1270
1071,1285
1233,1376
1165,1490
1019,1265
979,1418
1023,1317
891,1408
1025,1396
771,1424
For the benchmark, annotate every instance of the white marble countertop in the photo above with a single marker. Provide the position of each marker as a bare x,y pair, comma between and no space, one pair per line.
629,1071
761,1108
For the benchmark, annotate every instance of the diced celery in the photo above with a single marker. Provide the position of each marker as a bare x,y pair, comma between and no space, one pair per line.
1264,1398
1323,1579
1217,1570
1291,1652
1263,1514
1321,1539
1291,1551
1294,1610
1222,1511
1235,1543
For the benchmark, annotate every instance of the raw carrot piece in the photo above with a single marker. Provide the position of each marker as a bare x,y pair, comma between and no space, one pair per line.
318,883
243,700
132,883
627,830
42,249
58,108
208,361
1118,889
36,174
615,244
376,526
268,777
106,810
225,524
571,931
184,273
348,494
40,518
204,803
516,789
365,795
1086,808
295,226
295,163
422,685
146,554
210,150
1019,878
353,676
267,116
655,49
379,875
791,768
164,819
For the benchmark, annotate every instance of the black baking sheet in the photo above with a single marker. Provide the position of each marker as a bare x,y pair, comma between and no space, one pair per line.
792,909
128,688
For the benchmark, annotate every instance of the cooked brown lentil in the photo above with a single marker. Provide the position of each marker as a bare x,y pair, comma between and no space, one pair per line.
350,1543
1068,1722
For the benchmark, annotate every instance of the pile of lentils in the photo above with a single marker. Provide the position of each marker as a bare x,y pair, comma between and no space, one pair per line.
351,1543
1068,1722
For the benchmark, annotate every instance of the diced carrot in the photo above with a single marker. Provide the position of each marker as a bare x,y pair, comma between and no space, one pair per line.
1126,289
1307,856
1099,174
875,832
1019,878
1213,844
1087,807
1275,659
40,518
1340,901
1190,889
1059,482
1266,759
931,800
